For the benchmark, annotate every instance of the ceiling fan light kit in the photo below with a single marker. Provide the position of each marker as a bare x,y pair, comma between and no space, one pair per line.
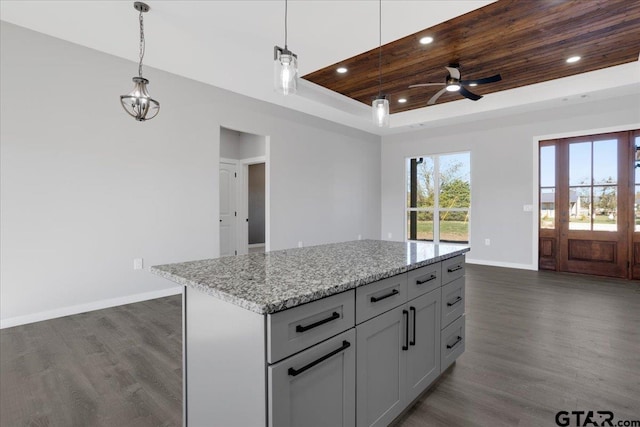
453,83
138,103
285,64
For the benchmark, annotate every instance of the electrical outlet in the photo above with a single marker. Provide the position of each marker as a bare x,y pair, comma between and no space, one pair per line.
359,236
389,236
138,263
527,208
300,245
487,242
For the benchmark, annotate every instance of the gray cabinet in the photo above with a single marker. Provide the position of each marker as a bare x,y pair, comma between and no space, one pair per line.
316,387
423,355
452,337
381,368
452,343
398,358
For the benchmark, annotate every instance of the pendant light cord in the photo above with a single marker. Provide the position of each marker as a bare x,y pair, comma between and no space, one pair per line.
380,49
142,44
285,23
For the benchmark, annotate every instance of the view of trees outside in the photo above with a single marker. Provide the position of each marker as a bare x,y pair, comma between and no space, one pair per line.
447,199
593,171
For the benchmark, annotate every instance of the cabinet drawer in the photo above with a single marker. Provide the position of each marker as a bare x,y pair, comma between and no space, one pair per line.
452,269
452,343
452,301
377,297
292,330
424,279
316,387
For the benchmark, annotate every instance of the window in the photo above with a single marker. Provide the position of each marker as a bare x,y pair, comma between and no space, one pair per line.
439,198
548,186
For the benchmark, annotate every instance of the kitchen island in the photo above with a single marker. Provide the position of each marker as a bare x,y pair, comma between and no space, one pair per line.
285,338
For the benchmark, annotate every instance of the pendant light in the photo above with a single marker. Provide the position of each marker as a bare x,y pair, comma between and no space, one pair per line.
138,103
285,64
380,105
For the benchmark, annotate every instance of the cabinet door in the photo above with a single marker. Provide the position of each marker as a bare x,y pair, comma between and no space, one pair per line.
423,357
315,387
381,367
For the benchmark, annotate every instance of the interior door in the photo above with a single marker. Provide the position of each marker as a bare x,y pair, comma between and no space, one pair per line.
228,211
592,200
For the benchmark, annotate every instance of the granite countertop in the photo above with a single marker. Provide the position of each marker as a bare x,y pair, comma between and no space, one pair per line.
274,281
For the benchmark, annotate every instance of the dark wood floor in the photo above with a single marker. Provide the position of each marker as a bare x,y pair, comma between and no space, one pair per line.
118,367
537,343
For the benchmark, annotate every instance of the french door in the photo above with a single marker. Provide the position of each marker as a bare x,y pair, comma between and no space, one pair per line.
587,205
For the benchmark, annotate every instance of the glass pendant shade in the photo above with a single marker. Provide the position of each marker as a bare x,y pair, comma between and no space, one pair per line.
381,111
138,103
285,71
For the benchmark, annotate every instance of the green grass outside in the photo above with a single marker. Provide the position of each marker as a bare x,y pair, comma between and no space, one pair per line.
599,219
455,231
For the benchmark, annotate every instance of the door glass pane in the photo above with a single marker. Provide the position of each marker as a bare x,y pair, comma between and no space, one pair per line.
605,162
455,181
454,227
423,224
580,163
424,197
636,208
580,208
605,213
637,154
548,166
547,208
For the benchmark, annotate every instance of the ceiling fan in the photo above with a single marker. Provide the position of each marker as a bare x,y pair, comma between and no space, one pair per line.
454,84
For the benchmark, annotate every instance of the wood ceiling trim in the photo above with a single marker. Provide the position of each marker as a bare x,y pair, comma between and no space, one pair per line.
527,42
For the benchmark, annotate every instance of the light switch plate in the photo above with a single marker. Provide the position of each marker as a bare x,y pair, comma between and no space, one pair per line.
527,208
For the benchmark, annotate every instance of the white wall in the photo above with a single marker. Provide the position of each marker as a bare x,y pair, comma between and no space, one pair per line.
240,145
503,172
85,188
230,144
252,146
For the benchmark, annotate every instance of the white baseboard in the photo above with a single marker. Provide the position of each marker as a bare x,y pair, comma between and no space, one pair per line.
83,308
502,264
256,245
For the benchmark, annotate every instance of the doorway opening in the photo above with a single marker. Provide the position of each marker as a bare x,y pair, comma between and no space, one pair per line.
588,205
244,225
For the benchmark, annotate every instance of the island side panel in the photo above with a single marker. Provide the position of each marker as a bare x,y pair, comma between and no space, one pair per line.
225,353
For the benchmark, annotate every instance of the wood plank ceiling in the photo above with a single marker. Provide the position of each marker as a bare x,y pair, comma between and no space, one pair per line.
526,41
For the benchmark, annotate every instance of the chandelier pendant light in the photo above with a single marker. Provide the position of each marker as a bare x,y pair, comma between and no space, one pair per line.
380,105
138,103
285,65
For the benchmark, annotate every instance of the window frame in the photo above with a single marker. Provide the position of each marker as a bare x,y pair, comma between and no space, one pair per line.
435,209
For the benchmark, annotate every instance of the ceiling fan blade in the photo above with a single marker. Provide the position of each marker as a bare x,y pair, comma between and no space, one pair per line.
453,72
483,81
435,97
472,96
427,84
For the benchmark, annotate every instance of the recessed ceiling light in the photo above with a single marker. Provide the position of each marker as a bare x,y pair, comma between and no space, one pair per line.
402,100
426,40
473,84
573,59
342,70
